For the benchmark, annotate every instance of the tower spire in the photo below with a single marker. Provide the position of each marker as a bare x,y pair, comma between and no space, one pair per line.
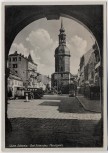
62,35
62,28
30,58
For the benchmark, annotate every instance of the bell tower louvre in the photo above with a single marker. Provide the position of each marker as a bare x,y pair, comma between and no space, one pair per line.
61,77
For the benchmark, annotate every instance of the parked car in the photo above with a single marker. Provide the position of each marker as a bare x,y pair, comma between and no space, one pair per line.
35,93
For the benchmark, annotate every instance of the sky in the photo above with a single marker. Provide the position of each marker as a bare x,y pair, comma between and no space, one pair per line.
40,39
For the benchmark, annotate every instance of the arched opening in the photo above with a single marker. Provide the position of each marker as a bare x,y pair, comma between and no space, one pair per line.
53,12
92,36
30,18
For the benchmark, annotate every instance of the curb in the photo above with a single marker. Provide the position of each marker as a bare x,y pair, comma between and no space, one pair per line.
93,111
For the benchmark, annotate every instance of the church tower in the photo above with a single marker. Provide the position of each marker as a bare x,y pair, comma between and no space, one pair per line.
61,77
62,53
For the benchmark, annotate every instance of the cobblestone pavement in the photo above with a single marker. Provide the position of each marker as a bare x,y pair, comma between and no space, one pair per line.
54,121
57,107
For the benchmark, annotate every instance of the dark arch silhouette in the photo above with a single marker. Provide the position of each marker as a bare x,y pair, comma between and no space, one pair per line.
19,16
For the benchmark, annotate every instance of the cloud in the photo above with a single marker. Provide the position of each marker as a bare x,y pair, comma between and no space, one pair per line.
34,57
40,39
20,48
78,45
45,70
44,46
42,50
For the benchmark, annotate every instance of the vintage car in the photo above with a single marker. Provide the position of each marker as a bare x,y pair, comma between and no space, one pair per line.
34,93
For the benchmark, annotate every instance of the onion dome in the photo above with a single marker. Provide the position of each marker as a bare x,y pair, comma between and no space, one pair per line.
62,49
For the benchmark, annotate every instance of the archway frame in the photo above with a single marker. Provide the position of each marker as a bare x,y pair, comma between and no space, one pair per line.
10,33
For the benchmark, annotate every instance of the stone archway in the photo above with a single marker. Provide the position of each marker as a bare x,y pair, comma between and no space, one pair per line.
17,17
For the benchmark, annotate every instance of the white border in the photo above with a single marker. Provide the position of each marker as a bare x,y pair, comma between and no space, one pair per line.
3,80
105,76
60,2
56,2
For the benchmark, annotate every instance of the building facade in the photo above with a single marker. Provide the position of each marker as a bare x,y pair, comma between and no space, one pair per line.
89,71
83,68
15,85
24,67
61,78
97,65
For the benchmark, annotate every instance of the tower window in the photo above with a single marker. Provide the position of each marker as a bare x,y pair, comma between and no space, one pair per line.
14,65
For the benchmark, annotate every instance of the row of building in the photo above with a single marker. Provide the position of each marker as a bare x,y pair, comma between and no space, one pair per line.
89,68
24,74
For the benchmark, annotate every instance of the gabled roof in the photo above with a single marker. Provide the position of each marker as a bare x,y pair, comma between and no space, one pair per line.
30,58
14,54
